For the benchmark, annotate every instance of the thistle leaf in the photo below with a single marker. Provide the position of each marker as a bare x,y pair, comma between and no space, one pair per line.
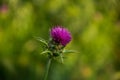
45,52
69,51
42,40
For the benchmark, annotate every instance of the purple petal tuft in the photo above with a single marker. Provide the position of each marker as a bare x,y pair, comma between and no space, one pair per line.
60,35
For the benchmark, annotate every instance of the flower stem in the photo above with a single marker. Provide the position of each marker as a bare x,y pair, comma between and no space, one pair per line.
47,68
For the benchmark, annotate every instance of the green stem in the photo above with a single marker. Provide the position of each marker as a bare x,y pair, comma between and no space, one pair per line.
47,69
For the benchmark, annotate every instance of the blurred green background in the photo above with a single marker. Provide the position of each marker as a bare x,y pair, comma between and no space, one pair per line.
95,28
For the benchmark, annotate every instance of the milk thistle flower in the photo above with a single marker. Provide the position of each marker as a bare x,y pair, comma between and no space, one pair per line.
59,38
60,35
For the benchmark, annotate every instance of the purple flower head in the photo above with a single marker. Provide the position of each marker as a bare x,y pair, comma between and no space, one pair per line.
60,35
